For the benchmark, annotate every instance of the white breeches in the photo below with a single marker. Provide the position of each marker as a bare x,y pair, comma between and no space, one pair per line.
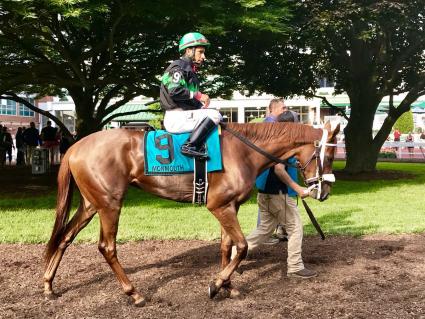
186,121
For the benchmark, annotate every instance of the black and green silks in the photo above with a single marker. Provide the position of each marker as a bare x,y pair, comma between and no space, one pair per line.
179,84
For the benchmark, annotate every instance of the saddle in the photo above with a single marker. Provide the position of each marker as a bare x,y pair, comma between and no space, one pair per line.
163,158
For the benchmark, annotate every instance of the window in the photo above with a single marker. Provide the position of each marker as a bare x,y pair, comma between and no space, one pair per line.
256,114
302,113
229,114
9,108
326,83
24,111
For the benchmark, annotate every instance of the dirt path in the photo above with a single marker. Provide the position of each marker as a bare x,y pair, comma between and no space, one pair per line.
370,277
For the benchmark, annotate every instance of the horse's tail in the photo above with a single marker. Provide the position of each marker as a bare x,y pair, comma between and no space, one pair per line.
63,206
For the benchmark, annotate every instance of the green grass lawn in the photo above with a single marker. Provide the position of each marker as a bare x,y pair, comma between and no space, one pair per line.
355,208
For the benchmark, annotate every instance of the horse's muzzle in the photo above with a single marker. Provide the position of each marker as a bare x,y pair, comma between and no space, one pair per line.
324,196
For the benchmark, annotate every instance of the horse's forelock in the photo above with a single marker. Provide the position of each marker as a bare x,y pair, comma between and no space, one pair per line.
292,132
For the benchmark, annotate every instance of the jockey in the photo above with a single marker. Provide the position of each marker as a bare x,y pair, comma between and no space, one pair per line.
186,107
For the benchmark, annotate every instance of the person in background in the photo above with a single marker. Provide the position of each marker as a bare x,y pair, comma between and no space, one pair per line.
65,143
410,139
397,135
276,107
20,147
32,140
2,147
8,141
50,140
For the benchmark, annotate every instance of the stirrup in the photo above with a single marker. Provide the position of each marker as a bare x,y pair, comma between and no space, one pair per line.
191,151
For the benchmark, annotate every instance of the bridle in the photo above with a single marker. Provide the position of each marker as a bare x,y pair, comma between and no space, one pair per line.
319,157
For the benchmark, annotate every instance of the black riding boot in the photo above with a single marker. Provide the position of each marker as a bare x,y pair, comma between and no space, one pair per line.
193,146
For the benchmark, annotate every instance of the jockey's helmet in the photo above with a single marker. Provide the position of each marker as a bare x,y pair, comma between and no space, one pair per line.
192,39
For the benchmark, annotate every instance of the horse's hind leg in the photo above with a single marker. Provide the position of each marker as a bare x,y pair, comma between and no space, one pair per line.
107,246
226,251
230,224
80,219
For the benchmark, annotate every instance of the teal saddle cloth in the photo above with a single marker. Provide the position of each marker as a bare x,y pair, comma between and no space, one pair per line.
163,156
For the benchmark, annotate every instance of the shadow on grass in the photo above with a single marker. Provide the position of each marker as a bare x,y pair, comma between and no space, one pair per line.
367,186
21,190
136,197
340,224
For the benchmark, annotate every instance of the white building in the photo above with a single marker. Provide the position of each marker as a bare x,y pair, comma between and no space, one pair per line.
239,109
242,109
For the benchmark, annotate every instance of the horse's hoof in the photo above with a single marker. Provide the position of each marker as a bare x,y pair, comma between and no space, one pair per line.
139,301
50,296
212,290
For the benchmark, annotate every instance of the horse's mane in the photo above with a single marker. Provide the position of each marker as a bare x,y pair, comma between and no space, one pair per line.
268,132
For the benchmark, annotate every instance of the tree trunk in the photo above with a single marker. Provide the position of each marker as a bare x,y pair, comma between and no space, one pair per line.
361,156
361,150
85,122
85,126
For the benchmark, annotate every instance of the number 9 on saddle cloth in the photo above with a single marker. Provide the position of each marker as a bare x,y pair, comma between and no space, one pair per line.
163,157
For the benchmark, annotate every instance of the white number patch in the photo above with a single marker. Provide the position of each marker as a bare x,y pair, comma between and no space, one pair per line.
176,77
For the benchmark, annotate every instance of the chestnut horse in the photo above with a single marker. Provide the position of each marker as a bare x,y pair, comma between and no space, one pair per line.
103,164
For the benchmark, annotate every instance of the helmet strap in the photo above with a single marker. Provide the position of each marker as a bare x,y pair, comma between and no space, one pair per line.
193,56
190,54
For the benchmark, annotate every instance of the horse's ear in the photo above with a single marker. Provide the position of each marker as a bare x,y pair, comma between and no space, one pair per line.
328,126
335,131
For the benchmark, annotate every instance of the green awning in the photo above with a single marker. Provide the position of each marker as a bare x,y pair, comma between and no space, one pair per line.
143,116
419,104
382,108
323,105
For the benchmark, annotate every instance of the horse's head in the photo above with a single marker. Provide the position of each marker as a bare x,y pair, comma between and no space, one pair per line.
315,162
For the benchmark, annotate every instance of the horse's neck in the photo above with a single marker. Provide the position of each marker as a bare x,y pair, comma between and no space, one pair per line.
277,139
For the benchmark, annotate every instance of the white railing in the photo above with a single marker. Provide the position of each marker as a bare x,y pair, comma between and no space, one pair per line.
403,150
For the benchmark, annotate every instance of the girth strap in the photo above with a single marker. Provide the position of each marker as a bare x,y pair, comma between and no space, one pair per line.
200,181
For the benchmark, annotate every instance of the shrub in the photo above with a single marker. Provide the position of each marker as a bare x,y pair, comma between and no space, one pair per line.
405,123
257,120
387,155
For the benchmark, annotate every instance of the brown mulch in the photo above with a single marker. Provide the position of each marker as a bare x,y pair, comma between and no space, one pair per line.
376,276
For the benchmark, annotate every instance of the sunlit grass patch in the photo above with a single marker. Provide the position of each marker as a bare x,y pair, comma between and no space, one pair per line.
354,208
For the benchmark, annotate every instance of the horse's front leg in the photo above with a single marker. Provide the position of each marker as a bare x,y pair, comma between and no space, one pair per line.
225,248
227,216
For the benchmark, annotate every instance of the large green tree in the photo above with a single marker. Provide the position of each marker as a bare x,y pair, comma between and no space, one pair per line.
371,49
105,53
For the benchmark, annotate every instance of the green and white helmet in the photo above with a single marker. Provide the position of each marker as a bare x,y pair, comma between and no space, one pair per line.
192,39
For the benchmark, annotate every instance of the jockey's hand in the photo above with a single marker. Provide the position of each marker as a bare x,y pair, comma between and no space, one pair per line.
205,100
